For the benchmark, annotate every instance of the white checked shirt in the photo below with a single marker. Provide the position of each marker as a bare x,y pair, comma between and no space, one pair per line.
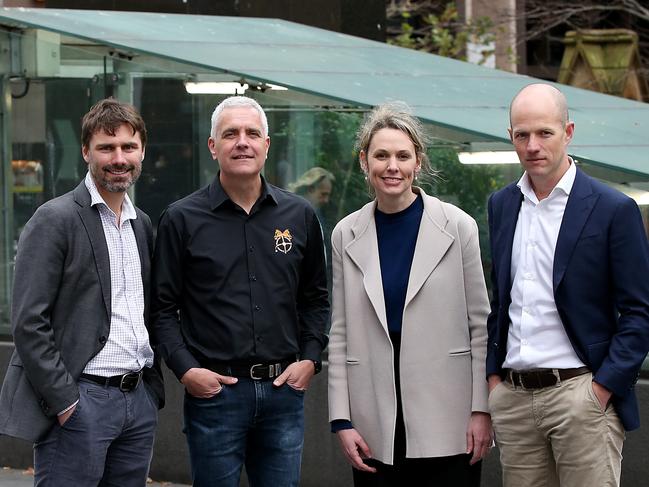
127,348
537,337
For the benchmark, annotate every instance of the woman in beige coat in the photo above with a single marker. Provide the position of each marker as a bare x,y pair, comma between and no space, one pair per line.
407,388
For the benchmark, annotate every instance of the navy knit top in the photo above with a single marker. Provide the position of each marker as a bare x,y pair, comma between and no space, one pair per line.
397,237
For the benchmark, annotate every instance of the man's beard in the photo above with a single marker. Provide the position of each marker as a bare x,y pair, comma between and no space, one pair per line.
128,178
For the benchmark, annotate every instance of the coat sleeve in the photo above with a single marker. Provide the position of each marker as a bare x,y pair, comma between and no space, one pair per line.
477,304
40,261
338,389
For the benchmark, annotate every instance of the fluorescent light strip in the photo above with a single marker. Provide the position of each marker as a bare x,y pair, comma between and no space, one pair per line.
214,88
492,157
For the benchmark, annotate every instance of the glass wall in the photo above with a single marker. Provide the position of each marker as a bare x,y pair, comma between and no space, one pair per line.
46,96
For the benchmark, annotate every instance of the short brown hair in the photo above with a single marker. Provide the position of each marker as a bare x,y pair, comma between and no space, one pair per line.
108,115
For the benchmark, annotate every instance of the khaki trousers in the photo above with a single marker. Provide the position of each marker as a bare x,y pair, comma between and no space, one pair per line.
556,436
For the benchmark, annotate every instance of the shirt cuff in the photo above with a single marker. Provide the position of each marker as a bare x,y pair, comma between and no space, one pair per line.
340,424
68,408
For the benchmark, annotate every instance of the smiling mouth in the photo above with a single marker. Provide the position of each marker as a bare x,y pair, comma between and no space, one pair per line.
119,171
242,156
391,179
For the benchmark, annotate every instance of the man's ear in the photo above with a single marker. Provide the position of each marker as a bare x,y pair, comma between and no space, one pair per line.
84,153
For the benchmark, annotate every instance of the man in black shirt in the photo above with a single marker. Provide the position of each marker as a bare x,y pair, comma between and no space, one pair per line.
240,299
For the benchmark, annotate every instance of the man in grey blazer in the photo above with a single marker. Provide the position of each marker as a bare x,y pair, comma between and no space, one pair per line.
82,383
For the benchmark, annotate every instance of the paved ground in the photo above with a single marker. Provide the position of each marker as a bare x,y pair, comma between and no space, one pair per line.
23,478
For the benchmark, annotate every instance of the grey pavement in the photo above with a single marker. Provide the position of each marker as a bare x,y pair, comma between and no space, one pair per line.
10,477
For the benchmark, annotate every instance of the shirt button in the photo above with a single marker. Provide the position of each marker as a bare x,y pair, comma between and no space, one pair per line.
524,341
102,339
253,277
529,275
251,248
257,307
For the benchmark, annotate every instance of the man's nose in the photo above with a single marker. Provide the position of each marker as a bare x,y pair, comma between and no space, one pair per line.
533,144
242,140
119,156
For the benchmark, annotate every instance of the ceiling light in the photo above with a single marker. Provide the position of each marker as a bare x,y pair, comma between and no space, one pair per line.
490,157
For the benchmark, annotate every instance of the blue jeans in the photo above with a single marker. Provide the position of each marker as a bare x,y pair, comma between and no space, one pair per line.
106,442
251,423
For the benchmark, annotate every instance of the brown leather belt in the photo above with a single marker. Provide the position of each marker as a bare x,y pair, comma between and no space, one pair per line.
540,378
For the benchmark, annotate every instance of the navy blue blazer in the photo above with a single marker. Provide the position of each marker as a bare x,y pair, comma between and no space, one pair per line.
600,281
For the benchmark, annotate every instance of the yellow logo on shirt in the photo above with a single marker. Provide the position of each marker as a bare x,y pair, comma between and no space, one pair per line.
283,241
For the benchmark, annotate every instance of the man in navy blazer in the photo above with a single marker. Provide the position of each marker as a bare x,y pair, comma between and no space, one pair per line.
569,322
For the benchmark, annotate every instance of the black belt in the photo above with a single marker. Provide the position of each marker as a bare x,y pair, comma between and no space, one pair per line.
540,378
125,382
252,370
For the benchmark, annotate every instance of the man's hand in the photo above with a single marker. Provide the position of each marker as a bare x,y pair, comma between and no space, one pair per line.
493,380
479,436
203,383
66,415
602,394
297,375
355,449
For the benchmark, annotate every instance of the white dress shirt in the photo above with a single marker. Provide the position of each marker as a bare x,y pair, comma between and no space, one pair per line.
127,348
537,337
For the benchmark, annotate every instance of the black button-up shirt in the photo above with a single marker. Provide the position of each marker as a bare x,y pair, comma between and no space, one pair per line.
236,287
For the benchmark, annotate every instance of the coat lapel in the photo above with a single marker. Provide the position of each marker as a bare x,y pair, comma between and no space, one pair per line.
510,208
432,243
364,252
578,208
92,223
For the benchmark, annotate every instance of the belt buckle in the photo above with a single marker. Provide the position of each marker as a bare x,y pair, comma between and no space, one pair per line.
126,383
512,375
252,372
521,382
555,372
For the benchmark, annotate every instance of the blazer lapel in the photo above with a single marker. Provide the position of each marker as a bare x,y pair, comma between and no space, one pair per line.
364,252
143,249
92,223
508,216
432,243
578,208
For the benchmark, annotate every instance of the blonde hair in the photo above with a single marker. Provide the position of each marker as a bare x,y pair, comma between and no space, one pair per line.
398,116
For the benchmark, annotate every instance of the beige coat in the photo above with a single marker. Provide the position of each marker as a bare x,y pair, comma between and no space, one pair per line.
444,334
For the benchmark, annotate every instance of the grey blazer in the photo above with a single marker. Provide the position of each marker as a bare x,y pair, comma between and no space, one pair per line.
61,311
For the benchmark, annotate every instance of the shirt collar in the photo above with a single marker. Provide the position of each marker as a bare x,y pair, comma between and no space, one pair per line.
128,210
565,183
217,195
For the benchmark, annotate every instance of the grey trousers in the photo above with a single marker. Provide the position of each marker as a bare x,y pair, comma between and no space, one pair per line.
106,442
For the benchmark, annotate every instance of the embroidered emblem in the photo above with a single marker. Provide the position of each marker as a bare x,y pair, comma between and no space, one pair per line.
283,241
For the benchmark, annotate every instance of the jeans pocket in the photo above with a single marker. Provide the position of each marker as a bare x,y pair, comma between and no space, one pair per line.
298,392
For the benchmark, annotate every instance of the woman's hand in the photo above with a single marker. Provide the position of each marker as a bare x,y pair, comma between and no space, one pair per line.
479,436
355,449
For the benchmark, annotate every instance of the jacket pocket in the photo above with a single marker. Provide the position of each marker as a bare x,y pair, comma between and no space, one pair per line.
597,352
459,352
352,361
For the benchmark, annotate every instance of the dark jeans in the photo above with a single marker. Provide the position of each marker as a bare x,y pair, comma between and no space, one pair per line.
251,423
453,471
107,442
